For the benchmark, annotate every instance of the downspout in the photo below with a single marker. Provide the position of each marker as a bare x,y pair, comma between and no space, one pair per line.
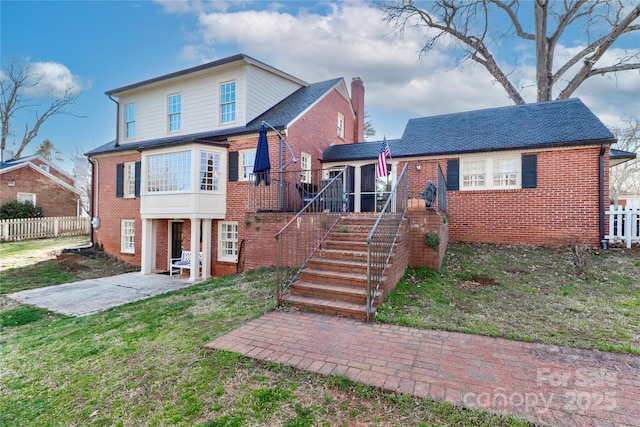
603,149
117,120
94,196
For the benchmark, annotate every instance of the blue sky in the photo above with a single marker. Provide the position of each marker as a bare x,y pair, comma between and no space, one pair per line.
96,46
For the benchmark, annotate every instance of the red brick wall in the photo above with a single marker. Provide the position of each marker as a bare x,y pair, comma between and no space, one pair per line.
318,129
564,207
54,199
111,209
53,171
420,224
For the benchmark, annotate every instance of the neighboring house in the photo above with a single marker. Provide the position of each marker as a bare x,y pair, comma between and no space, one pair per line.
177,176
527,174
40,182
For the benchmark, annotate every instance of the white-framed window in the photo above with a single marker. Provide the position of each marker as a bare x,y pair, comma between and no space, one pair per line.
174,103
209,171
248,158
129,180
130,120
27,197
305,167
228,102
169,172
490,172
44,168
128,236
340,125
505,172
474,173
228,241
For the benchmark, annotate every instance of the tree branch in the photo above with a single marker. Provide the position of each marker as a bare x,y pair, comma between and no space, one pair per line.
613,69
514,19
587,50
600,50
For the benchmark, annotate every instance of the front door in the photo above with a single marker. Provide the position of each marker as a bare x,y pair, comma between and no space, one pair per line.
373,192
176,239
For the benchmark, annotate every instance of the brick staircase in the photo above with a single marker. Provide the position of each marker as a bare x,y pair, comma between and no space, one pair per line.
335,279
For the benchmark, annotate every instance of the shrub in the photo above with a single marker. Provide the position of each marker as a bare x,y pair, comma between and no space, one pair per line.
15,209
432,240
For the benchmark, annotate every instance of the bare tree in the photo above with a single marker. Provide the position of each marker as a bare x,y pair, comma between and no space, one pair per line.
625,178
13,83
473,25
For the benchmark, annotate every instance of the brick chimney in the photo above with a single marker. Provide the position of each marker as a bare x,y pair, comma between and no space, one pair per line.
357,100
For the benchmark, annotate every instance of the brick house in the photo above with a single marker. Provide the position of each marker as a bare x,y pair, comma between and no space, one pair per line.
528,174
40,182
178,175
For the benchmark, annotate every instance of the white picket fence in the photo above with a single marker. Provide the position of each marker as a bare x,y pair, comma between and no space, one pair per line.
37,228
624,224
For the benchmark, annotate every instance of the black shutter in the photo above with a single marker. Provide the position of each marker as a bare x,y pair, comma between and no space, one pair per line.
233,166
453,174
138,175
529,171
119,175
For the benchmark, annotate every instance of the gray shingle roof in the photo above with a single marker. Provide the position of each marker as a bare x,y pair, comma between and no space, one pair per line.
288,109
278,116
548,124
358,151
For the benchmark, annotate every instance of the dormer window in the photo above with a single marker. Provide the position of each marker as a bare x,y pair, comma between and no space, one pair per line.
174,109
228,102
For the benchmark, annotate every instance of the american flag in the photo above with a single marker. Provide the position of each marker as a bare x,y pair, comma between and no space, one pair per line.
381,168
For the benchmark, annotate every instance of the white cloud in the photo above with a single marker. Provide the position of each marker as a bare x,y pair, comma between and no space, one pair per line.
53,79
351,39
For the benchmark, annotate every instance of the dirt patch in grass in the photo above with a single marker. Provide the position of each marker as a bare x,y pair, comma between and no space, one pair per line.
48,263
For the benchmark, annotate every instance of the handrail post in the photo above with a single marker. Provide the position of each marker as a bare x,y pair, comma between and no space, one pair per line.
368,280
278,271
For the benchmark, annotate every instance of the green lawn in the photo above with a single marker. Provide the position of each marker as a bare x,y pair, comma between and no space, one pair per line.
588,300
143,364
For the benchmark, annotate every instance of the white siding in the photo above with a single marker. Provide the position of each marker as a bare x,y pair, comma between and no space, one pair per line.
199,109
257,90
265,90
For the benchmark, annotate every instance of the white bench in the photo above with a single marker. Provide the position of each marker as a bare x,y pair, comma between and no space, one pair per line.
183,262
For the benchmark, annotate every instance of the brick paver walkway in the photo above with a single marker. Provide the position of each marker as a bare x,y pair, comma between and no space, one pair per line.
542,383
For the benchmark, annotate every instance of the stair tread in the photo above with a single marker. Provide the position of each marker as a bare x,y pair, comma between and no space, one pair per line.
326,303
335,273
343,251
331,287
338,261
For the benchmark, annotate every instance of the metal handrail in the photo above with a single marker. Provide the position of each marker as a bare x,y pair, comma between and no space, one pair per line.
442,190
383,235
301,237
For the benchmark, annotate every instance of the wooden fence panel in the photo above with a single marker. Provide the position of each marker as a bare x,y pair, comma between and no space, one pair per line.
38,228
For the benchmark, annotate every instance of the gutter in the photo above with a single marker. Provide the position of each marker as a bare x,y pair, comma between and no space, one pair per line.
603,150
117,120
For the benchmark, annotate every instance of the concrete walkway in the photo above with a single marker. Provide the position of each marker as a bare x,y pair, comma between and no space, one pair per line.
542,383
94,295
